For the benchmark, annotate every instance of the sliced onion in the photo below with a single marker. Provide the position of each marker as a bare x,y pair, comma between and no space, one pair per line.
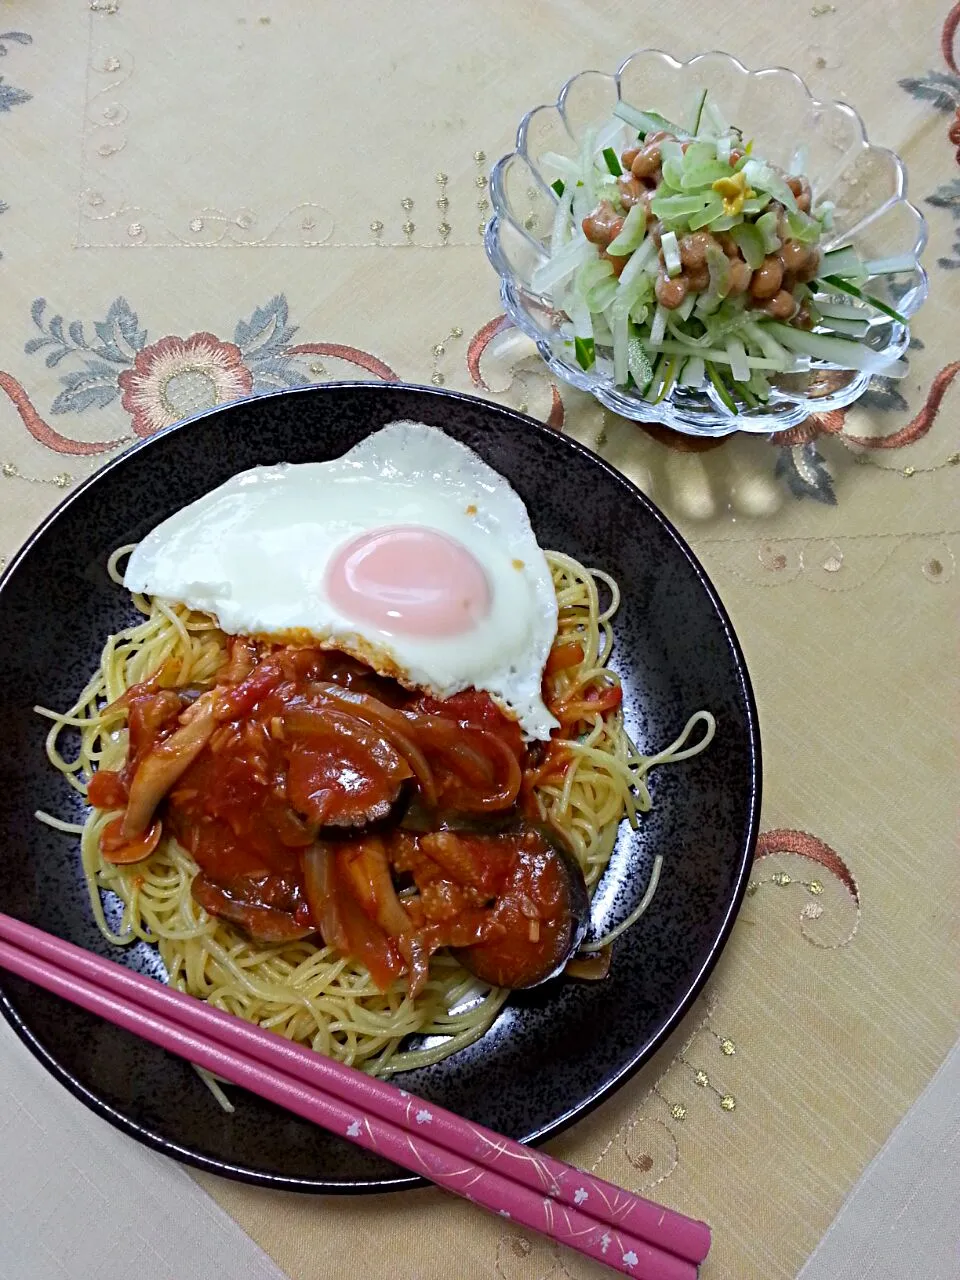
394,727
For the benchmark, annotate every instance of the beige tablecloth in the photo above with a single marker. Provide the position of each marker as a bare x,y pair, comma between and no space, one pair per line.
206,200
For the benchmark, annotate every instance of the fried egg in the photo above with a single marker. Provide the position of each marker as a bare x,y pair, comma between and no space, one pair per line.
408,552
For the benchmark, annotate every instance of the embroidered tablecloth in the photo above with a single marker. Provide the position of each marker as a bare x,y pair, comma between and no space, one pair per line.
201,202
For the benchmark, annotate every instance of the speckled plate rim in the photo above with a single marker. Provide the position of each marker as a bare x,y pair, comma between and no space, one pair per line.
696,982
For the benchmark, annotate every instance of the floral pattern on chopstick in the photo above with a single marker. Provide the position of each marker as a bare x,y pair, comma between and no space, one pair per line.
704,1067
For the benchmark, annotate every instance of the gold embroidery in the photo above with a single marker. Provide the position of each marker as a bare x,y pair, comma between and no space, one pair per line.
811,911
786,559
10,471
437,377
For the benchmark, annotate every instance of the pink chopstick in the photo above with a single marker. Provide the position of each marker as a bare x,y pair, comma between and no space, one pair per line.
536,1191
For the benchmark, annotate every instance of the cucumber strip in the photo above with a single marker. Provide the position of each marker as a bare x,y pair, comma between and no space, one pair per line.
563,165
890,266
678,206
749,240
600,295
580,317
693,372
670,149
758,335
760,386
716,355
839,308
668,379
613,134
854,328
638,263
715,118
762,178
756,204
726,399
563,264
587,183
558,188
631,233
743,391
585,352
654,380
674,328
593,272
620,329
638,362
843,352
673,172
562,229
671,253
698,154
738,360
646,121
685,309
612,161
712,209
767,226
700,176
846,287
803,228
725,222
659,327
842,262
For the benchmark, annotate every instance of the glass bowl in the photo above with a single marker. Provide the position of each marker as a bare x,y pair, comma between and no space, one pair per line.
866,183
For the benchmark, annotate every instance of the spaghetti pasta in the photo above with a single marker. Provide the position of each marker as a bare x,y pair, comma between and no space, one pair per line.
590,778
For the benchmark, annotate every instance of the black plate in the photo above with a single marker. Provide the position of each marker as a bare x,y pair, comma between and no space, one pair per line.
553,1053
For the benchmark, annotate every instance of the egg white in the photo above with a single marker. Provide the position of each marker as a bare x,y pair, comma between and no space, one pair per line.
254,552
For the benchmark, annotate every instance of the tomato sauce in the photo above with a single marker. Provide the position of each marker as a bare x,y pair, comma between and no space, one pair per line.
288,782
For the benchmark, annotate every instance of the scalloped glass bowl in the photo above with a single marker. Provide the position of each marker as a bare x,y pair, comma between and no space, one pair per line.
866,183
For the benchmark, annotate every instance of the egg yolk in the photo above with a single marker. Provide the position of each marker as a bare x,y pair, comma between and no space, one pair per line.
409,581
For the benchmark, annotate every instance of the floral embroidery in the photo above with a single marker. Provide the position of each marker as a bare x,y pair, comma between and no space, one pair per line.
353,1129
173,378
159,383
942,90
805,473
424,1116
10,95
580,1195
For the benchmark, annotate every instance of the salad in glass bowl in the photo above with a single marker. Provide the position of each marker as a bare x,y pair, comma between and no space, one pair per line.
673,267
